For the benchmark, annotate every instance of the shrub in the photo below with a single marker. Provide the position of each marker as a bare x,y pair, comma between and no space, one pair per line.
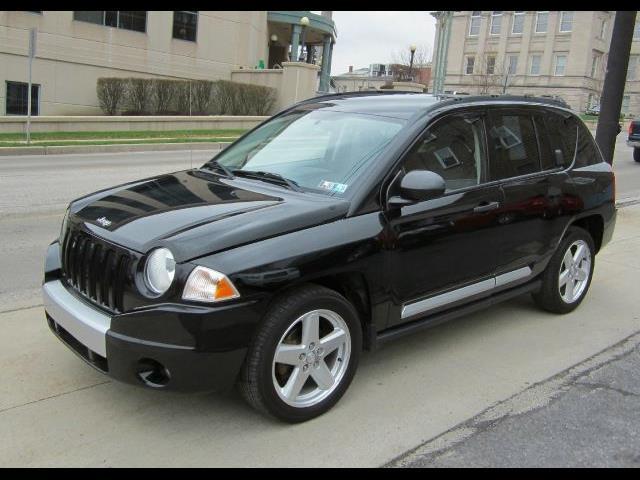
201,92
142,96
138,95
233,98
111,93
183,101
162,93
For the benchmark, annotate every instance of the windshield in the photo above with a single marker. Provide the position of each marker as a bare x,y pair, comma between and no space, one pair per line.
317,150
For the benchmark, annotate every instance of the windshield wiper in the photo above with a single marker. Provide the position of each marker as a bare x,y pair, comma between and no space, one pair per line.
269,177
215,166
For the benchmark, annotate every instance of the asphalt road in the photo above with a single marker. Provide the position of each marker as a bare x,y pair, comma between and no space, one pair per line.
54,410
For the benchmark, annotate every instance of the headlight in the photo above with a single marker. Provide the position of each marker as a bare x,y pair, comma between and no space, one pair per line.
159,270
206,285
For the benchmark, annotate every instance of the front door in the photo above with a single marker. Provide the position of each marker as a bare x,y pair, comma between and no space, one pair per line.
442,252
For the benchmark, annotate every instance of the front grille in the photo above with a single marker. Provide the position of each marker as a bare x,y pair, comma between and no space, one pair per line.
95,269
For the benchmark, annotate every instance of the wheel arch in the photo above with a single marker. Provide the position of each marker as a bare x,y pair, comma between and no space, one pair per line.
353,286
594,224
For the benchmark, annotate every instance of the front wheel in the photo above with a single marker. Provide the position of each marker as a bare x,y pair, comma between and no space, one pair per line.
567,278
304,355
636,154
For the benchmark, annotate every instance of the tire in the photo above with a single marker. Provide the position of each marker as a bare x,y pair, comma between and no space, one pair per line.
636,154
270,386
552,296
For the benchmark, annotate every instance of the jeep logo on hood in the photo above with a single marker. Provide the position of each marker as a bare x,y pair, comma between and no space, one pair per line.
104,221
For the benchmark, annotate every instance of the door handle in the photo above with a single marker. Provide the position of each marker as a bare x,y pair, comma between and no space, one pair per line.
486,207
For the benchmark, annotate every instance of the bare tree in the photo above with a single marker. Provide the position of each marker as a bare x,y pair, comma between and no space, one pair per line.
492,79
598,80
401,60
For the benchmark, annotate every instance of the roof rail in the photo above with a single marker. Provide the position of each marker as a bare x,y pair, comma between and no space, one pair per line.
347,94
550,99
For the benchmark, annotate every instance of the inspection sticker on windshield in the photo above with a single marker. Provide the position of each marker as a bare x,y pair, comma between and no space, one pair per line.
333,186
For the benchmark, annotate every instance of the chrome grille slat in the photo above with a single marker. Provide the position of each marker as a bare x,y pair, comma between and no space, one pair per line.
95,269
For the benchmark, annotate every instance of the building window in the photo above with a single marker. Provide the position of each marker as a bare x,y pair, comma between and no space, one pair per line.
542,19
512,64
561,65
468,69
594,66
18,98
518,23
626,99
603,29
636,31
474,26
491,65
591,101
128,20
534,69
566,21
496,23
631,69
185,25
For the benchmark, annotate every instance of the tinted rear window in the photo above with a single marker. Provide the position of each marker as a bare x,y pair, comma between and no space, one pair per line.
587,153
562,131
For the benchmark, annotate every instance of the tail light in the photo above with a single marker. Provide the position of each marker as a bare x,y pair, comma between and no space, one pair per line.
630,131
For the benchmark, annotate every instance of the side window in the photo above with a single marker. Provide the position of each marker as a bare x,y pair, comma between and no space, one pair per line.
453,147
587,153
513,147
561,130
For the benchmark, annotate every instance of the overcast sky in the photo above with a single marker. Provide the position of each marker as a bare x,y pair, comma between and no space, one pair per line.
373,37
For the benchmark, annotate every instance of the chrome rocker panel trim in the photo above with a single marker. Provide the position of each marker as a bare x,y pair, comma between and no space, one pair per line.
437,301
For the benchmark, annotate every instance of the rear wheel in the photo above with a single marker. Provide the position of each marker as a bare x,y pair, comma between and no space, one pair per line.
304,356
568,276
636,154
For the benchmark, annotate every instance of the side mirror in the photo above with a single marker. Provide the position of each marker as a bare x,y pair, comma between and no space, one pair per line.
418,186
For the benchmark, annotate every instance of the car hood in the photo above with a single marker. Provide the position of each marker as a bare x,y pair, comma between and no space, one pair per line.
195,213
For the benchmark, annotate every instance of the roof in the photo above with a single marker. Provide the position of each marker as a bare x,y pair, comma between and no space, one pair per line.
406,104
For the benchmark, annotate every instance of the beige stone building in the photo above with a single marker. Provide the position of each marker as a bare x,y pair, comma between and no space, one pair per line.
75,48
559,53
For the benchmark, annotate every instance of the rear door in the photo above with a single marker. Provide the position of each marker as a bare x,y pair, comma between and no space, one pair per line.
535,188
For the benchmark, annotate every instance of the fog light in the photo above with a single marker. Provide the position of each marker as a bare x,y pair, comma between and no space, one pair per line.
152,373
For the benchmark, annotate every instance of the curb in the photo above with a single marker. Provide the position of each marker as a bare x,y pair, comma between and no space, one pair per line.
133,147
626,202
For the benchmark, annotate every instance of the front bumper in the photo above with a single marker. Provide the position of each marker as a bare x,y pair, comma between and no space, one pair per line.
168,346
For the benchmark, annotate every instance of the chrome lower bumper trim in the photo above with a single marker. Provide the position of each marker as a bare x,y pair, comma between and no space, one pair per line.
88,325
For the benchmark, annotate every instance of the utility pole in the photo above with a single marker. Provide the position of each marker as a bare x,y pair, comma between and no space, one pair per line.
32,54
614,82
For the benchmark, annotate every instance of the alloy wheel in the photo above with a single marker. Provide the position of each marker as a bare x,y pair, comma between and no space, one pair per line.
311,358
575,269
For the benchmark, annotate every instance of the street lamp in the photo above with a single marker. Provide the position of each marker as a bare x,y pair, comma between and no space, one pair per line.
274,38
413,52
304,21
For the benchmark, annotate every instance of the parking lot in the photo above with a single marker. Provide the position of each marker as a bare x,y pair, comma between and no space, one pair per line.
56,411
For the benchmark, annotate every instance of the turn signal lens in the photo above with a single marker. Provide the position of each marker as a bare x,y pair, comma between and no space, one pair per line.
206,285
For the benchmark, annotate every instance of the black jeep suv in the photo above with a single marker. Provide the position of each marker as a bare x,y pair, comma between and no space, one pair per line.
336,225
